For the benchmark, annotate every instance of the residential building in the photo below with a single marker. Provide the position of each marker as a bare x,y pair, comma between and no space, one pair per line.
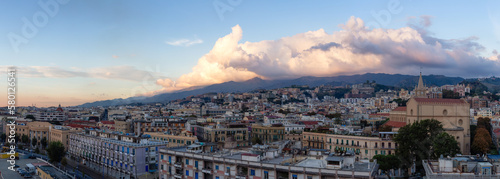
115,154
364,147
196,162
268,134
461,167
184,138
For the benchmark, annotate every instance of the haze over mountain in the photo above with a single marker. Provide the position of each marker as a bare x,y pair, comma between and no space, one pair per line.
396,80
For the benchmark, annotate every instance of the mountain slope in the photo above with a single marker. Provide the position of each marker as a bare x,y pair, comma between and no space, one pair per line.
397,80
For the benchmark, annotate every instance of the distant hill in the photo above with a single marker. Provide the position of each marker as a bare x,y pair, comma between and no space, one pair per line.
395,80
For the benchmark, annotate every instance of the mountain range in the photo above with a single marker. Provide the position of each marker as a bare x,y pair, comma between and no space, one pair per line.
396,80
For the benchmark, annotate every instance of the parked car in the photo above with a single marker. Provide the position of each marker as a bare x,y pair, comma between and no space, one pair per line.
16,166
27,175
32,157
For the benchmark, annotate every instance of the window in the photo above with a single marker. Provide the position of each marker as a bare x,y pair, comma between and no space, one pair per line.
376,152
216,177
187,172
294,176
187,161
169,159
161,156
266,175
217,167
252,172
147,170
196,175
196,164
309,177
228,169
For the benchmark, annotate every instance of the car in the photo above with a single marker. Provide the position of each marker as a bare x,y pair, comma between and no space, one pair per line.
32,157
27,175
16,166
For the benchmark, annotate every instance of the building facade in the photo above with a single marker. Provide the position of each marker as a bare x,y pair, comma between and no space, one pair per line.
116,155
364,147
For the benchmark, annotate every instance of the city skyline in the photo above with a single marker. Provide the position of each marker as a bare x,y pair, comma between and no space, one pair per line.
90,51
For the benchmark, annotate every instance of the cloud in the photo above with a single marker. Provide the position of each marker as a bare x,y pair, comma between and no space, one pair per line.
115,56
353,50
128,73
185,42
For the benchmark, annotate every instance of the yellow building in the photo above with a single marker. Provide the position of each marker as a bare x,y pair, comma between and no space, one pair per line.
61,135
454,115
364,147
268,133
38,130
185,138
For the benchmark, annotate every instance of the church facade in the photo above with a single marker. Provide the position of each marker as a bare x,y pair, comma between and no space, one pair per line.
452,113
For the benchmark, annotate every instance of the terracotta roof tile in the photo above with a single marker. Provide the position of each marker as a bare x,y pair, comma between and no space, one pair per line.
395,124
437,100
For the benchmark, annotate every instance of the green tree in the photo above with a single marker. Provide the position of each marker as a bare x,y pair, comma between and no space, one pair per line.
44,142
3,137
29,116
415,142
450,94
387,162
482,141
56,152
25,139
37,151
446,145
256,140
34,141
64,162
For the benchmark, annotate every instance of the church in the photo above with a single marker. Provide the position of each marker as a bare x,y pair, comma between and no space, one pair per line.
452,113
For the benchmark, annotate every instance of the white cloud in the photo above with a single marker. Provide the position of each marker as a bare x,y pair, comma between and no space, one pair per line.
128,73
352,50
185,42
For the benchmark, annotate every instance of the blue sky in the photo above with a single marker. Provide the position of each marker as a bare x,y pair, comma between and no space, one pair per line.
86,36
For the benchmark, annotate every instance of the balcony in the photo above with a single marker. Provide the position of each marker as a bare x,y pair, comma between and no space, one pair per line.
178,164
207,170
177,176
241,176
227,174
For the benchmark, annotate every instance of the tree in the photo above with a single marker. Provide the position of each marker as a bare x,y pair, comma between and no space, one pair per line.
387,162
34,141
256,140
385,128
482,141
338,121
37,151
64,162
55,152
446,145
484,122
25,139
415,142
450,94
29,116
44,142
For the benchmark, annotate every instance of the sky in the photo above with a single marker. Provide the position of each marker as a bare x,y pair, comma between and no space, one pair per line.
70,52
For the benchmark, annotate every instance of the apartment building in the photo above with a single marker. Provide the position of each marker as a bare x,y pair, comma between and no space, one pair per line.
37,130
184,138
166,125
196,162
116,155
124,126
230,136
364,147
61,134
267,134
